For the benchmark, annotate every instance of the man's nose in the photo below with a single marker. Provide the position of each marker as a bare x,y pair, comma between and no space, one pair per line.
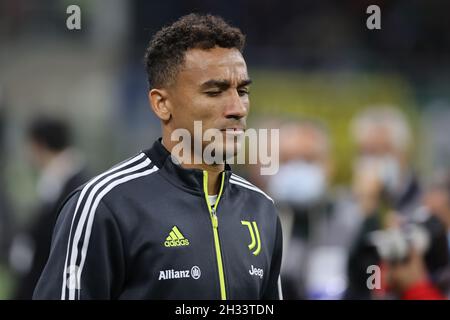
236,107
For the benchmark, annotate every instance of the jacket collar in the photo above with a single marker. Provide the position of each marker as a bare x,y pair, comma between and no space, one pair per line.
191,180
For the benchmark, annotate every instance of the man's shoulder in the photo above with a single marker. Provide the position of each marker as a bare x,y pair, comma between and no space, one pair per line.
125,175
243,185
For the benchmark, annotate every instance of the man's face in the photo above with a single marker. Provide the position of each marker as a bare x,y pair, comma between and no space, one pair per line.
305,170
36,155
379,164
303,143
376,140
212,87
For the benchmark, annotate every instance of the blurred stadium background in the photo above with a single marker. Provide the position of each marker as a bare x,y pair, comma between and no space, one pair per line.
313,59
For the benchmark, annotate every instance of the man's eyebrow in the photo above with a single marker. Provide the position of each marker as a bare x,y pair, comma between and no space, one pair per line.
244,83
223,84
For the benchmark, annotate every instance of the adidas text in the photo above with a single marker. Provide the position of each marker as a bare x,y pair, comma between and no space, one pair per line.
176,243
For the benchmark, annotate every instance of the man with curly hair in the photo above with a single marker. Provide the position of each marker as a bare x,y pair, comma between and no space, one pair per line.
155,227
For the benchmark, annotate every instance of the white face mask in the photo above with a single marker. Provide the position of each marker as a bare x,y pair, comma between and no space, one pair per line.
298,182
387,168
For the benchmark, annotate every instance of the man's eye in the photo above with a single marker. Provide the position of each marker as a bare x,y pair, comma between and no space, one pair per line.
243,92
212,93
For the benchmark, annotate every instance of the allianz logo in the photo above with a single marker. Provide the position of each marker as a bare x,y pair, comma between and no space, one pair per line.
195,273
256,272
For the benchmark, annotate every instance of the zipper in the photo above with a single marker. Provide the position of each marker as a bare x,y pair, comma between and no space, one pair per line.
215,227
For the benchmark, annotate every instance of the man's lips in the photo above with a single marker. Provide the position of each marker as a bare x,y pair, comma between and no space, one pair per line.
233,130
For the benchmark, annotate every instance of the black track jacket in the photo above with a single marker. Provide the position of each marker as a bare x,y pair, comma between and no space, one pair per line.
145,230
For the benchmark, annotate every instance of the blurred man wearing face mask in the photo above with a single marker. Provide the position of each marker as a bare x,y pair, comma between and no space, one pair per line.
319,225
382,167
388,195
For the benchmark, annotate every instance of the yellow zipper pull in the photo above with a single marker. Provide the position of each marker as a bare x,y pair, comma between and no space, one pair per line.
215,221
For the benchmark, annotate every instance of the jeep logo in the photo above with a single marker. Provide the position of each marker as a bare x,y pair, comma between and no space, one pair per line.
256,272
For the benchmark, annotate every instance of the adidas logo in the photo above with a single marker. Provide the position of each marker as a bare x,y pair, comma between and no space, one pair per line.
176,239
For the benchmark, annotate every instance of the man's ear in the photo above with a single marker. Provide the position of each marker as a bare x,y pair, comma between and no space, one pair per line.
160,104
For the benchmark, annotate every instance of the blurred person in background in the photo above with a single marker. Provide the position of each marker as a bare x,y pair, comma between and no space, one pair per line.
437,199
410,279
61,169
6,215
321,221
383,164
388,194
437,202
6,224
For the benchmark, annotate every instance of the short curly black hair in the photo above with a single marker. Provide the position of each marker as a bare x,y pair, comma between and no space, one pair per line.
165,52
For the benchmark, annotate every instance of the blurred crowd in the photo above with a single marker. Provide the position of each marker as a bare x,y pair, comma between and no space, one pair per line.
384,236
